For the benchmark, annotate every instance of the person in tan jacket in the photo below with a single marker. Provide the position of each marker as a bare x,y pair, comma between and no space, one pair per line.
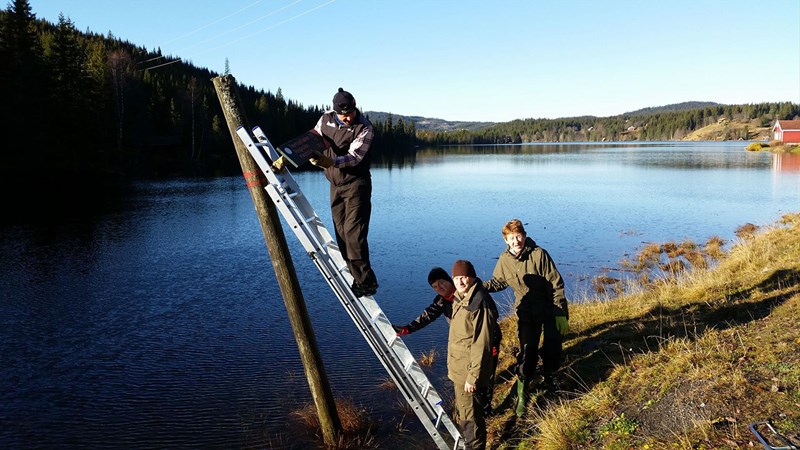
442,305
470,363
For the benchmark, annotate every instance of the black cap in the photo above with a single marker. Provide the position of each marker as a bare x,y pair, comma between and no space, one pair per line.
343,102
436,274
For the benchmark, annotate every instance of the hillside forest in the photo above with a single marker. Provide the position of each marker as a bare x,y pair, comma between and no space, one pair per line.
109,108
80,105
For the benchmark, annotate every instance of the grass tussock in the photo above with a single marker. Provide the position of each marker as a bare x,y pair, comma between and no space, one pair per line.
684,361
427,359
388,383
746,231
357,429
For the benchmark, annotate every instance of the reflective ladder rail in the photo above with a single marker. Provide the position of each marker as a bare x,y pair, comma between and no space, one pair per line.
364,311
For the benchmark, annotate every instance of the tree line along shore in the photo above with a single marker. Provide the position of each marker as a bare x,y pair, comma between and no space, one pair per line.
111,110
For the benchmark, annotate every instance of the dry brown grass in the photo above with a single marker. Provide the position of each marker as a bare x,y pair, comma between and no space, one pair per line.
602,284
388,383
427,359
648,257
714,248
683,362
357,430
746,231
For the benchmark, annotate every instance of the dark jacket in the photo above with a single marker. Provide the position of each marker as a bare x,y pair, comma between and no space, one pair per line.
440,306
537,284
472,334
351,163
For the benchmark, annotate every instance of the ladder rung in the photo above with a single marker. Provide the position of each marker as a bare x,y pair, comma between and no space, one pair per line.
425,390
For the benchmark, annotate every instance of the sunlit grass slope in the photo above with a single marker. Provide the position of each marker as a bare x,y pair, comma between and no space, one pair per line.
684,361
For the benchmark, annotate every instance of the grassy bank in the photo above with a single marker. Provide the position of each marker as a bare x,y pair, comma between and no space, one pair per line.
684,362
725,130
774,147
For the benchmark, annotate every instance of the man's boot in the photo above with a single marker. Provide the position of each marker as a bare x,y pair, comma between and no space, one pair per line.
549,383
523,396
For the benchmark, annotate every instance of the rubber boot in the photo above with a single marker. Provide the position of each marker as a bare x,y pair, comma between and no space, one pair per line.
523,395
549,383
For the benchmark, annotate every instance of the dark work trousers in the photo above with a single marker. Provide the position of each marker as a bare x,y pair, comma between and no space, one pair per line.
470,416
530,328
351,207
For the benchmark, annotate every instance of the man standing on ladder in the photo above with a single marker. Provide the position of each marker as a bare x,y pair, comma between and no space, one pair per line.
346,162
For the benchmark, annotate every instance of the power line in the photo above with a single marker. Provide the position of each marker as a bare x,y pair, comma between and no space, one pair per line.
273,26
241,26
214,22
162,65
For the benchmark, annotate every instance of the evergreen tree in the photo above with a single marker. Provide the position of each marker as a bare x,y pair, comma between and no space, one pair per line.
68,87
22,79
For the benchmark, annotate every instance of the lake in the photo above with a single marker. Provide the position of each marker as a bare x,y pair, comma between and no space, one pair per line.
159,323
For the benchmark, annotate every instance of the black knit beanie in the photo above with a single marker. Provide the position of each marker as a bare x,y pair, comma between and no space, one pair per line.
437,273
343,102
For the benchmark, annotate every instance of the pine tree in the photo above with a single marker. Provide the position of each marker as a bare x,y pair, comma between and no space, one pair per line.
22,78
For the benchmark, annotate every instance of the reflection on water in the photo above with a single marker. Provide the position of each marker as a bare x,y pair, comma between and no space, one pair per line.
786,162
159,323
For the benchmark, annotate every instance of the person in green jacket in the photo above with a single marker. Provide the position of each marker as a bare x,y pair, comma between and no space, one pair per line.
469,352
541,307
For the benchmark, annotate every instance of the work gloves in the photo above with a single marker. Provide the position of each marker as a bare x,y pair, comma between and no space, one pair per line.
278,164
321,161
401,330
562,325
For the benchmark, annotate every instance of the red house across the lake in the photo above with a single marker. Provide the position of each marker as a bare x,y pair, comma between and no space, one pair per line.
787,131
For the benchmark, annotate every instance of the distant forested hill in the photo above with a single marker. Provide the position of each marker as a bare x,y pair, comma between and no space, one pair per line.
685,106
433,124
428,123
664,123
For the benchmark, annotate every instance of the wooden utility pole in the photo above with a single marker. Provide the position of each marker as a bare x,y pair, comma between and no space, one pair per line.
282,263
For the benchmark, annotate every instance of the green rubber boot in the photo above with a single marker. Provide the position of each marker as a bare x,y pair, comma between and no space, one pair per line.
523,395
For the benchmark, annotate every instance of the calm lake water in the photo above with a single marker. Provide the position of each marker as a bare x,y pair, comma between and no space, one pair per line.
160,324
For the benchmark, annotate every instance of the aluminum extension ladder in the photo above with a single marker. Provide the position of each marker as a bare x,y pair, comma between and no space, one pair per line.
364,311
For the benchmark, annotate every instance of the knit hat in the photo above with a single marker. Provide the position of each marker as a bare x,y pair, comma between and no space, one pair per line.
463,268
343,102
437,273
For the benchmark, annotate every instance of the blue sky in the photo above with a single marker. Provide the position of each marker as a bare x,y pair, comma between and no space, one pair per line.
477,61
